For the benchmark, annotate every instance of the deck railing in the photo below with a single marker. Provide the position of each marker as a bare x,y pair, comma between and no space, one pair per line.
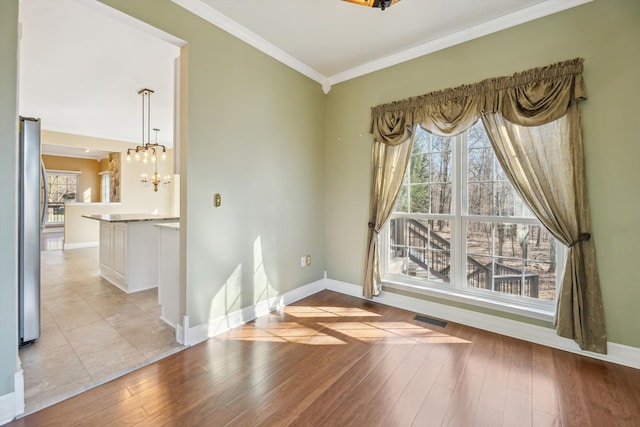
429,250
55,213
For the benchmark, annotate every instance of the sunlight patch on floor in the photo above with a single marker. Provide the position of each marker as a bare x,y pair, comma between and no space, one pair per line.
274,327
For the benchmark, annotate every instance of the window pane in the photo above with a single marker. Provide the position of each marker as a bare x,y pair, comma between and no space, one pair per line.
419,169
480,165
479,238
420,248
440,143
441,198
480,196
402,202
503,258
541,261
441,167
517,259
421,142
419,198
477,136
62,188
508,276
479,272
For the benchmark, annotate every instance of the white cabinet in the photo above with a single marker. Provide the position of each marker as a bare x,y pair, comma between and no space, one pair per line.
129,254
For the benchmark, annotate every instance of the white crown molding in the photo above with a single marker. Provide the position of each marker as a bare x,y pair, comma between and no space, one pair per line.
232,27
539,10
131,21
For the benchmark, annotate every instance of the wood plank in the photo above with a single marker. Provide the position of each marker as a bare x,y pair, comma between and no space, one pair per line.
406,408
332,359
543,386
574,410
434,407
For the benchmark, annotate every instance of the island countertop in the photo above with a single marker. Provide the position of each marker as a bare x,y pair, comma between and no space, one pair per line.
132,217
169,225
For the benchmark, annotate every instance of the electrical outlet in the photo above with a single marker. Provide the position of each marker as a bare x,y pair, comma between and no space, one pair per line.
303,261
307,260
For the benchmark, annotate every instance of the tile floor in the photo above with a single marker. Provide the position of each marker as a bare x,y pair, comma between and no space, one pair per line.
91,331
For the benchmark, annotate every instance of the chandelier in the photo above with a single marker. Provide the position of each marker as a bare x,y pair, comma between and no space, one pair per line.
148,151
382,4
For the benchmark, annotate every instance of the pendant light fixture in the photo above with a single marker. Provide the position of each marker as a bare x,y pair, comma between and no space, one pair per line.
148,151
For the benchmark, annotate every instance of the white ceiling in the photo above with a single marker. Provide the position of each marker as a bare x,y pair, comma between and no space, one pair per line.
332,41
78,152
82,63
81,69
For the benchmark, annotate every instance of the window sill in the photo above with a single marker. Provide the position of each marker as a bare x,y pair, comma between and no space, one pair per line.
539,313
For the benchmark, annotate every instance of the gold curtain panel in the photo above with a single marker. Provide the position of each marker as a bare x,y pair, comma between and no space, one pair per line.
533,121
530,98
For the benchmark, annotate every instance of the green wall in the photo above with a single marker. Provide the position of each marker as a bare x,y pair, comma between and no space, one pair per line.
606,33
293,165
256,136
8,195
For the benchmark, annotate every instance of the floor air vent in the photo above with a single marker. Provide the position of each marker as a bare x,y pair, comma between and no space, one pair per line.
431,321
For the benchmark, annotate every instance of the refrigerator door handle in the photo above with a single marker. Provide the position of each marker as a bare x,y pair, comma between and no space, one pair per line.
45,198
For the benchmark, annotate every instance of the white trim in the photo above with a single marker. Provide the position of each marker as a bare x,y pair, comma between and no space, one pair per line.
221,21
539,10
12,404
7,408
182,331
62,172
18,381
68,246
618,353
474,297
237,318
49,228
133,22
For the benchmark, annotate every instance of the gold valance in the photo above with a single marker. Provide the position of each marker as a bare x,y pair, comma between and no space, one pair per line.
530,98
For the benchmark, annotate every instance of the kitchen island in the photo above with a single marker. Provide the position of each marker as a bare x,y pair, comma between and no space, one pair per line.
129,249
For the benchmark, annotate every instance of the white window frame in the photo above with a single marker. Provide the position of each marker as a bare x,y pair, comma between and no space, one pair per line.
456,289
105,187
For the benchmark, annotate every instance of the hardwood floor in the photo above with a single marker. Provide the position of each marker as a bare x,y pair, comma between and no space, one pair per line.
334,360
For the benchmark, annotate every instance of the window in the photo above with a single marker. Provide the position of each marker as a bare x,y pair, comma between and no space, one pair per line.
62,188
105,188
459,228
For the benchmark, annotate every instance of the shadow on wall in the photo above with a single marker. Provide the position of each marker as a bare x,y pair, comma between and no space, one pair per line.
230,293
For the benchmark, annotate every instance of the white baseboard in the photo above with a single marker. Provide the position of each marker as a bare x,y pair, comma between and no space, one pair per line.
12,404
617,353
234,319
7,408
80,245
48,229
182,331
19,389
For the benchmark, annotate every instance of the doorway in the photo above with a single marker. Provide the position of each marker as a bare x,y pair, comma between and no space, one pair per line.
91,331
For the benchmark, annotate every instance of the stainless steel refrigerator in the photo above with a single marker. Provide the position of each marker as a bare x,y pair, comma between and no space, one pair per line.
31,216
